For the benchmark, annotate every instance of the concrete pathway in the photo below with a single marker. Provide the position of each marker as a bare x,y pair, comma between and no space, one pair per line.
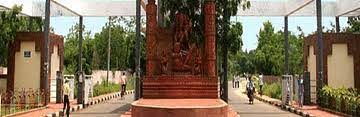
240,103
112,108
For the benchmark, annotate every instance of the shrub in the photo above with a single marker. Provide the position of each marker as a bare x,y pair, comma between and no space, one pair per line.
341,100
272,90
131,83
100,89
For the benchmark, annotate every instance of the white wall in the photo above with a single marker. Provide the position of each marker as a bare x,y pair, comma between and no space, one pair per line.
312,70
27,70
99,75
340,67
55,66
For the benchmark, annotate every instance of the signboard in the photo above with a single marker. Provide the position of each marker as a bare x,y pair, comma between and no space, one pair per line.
27,54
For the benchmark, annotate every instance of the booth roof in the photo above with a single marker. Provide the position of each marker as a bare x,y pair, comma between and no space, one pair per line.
101,8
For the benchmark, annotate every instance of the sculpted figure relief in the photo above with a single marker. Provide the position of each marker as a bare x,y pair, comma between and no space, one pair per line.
186,56
198,62
182,50
179,58
164,62
183,28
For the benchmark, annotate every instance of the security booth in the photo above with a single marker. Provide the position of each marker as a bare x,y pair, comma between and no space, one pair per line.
27,58
59,87
341,56
287,89
307,88
88,89
71,79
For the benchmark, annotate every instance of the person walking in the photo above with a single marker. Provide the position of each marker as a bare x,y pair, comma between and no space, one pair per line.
233,82
261,83
237,81
300,91
123,84
250,88
66,107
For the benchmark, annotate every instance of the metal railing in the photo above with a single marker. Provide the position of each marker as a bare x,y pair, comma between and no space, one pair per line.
20,100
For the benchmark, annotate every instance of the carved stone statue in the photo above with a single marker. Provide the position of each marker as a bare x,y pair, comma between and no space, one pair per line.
183,28
164,62
198,62
184,51
177,57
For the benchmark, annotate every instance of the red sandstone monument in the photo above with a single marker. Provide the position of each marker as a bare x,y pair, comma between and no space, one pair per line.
180,78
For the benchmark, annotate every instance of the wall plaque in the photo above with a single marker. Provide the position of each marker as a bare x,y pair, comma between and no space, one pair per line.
27,54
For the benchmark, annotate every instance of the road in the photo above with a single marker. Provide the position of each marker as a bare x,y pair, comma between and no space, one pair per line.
239,102
111,108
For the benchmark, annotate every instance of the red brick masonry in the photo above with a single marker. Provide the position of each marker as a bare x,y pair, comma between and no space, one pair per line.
183,86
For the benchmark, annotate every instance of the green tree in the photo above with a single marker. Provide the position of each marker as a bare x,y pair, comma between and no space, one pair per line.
236,56
95,49
71,51
242,62
269,50
270,53
354,24
122,55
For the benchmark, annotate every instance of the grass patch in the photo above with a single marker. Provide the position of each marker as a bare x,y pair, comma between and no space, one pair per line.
273,90
102,88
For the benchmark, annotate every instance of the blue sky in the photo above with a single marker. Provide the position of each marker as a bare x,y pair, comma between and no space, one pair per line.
251,25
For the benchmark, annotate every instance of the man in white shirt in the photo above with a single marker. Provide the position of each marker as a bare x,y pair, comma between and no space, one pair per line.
123,84
261,83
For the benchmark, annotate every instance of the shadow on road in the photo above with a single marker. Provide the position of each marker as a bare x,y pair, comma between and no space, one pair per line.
122,109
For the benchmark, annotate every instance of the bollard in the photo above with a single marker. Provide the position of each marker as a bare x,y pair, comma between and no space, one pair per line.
287,89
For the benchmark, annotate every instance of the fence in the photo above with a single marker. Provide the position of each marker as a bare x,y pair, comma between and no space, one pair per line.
20,100
271,79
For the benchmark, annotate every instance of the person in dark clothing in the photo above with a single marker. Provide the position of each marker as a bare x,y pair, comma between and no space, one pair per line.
250,88
66,98
233,82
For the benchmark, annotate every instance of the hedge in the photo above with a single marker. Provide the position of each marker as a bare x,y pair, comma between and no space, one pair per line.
341,100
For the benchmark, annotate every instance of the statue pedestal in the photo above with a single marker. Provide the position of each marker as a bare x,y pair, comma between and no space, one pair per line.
179,108
180,87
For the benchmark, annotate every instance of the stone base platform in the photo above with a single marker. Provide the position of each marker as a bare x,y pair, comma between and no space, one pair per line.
179,87
180,108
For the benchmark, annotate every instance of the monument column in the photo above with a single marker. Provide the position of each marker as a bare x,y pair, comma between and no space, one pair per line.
210,38
150,36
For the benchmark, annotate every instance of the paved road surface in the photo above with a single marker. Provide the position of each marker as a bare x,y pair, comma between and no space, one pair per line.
112,108
237,100
239,103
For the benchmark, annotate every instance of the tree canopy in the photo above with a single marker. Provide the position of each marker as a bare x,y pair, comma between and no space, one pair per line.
95,49
354,24
270,53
